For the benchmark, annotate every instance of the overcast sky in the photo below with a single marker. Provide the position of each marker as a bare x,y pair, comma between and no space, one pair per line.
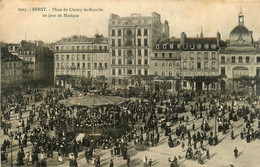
183,16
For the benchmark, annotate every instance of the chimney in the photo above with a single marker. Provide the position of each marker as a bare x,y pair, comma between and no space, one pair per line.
183,38
218,39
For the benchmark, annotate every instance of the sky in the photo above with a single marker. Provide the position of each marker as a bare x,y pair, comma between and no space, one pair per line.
183,16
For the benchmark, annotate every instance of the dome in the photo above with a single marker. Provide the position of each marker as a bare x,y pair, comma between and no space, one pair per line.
240,35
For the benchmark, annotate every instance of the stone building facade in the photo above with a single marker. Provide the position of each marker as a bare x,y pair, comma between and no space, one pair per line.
240,61
130,45
80,60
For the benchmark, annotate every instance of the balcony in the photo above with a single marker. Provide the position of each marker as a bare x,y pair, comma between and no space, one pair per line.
83,51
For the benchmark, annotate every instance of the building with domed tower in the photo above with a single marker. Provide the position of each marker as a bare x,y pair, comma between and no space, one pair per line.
240,61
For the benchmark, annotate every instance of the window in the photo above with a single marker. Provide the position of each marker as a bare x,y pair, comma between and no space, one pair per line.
83,65
78,65
222,59
258,59
145,72
213,65
145,61
129,42
139,52
129,53
113,43
145,42
95,65
119,53
223,70
119,61
105,65
155,64
139,42
191,55
233,59
170,64
184,65
199,55
155,55
58,65
129,71
113,81
113,33
240,59
119,81
83,57
170,74
113,52
72,48
129,61
89,65
119,42
247,59
78,57
105,48
62,57
119,33
155,73
206,55
113,61
145,52
139,61
164,46
199,65
184,84
145,32
139,32
177,64
100,64
163,64
129,33
171,46
163,55
139,72
57,57
157,46
119,72
170,55
113,72
163,73
213,55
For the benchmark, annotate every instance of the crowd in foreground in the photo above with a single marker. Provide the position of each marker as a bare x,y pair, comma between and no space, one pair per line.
46,131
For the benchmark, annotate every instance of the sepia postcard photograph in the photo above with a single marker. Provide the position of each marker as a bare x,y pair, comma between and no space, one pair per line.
130,83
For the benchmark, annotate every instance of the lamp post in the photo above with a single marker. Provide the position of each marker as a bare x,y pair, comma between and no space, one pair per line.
11,138
216,136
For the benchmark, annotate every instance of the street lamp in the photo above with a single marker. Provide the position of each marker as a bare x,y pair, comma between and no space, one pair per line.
216,136
11,138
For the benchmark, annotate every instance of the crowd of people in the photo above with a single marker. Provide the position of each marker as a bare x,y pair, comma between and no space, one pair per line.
50,127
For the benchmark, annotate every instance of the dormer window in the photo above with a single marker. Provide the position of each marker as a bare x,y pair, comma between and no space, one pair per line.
185,46
179,46
213,46
192,46
199,46
157,46
171,46
206,46
164,46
